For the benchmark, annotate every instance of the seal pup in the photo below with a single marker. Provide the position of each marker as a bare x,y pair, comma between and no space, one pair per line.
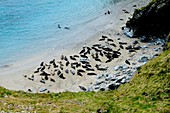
82,88
29,90
61,68
91,73
52,80
72,66
104,37
109,60
32,78
25,76
80,70
42,63
42,81
82,51
78,65
129,47
66,28
72,58
44,74
127,62
84,62
117,52
107,49
88,48
65,58
59,26
88,65
96,45
122,43
51,62
78,73
67,63
61,64
121,47
58,72
77,56
97,59
132,50
62,76
62,57
88,51
126,12
113,44
96,49
74,63
137,48
46,77
55,65
135,42
89,69
84,56
108,12
37,71
114,55
84,66
101,39
110,40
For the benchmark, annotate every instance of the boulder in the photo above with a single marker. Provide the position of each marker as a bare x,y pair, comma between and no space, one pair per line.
143,59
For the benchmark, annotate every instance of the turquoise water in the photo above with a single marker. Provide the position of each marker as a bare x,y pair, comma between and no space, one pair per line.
27,25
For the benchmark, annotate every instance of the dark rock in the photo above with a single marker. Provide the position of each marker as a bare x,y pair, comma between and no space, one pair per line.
149,21
129,47
137,48
143,59
135,42
113,86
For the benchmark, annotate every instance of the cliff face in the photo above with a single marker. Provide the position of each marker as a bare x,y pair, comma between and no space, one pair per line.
152,20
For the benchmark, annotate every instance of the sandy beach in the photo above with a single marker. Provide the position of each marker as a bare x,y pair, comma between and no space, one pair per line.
66,69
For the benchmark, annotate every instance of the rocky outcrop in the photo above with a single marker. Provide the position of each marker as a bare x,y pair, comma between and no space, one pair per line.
152,20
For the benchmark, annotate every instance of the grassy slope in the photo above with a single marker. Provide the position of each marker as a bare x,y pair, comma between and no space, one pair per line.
148,91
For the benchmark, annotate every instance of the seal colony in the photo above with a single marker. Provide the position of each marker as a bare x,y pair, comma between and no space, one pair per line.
103,61
99,62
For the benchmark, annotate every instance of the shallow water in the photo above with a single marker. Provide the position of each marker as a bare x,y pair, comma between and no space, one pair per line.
31,26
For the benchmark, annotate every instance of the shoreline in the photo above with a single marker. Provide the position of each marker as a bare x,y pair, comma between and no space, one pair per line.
111,28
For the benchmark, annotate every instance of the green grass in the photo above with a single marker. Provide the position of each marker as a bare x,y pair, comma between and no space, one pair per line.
148,91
